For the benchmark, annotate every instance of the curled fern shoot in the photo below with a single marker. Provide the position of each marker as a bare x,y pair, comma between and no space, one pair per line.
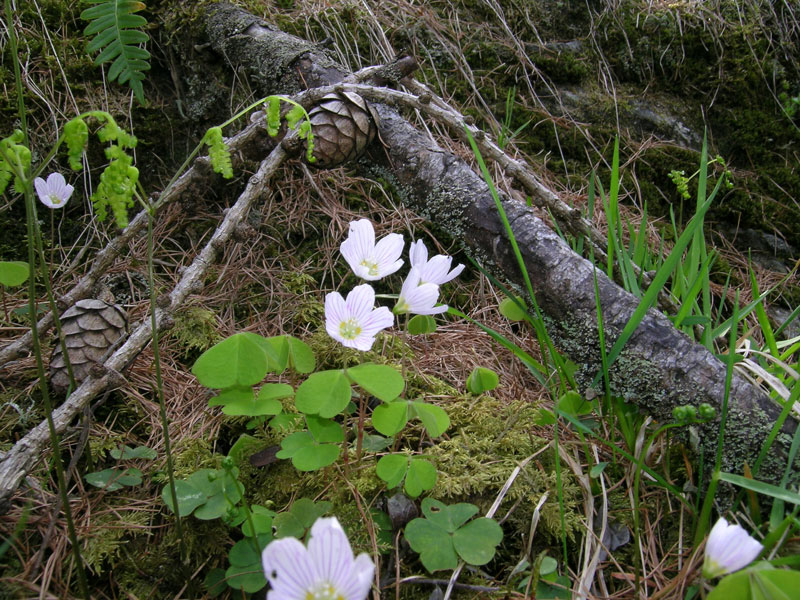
273,115
117,185
117,36
20,157
218,152
76,136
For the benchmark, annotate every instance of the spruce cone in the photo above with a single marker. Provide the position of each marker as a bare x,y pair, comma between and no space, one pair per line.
90,327
343,125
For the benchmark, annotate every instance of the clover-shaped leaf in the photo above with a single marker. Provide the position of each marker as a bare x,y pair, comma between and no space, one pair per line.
240,360
299,518
114,479
125,452
444,535
482,380
261,518
209,493
434,418
382,381
246,572
390,417
265,403
290,352
421,324
419,474
307,454
324,393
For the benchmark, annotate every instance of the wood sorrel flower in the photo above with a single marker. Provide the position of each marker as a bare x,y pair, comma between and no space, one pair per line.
436,270
54,192
355,322
369,260
326,570
418,298
728,549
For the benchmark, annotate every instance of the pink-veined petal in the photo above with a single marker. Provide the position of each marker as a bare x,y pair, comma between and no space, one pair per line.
387,254
335,313
330,551
360,301
289,569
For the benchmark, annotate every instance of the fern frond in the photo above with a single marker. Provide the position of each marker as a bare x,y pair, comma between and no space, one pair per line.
118,34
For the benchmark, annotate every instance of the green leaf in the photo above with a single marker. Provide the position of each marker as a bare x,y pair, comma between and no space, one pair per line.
266,403
325,393
300,517
433,544
284,421
482,380
572,403
244,553
546,591
189,497
262,521
232,395
126,452
545,417
293,443
239,360
118,36
475,542
249,579
315,457
324,430
114,479
761,487
301,356
215,582
434,418
421,325
390,418
548,565
221,489
450,517
597,469
511,310
382,381
13,273
421,477
376,443
392,468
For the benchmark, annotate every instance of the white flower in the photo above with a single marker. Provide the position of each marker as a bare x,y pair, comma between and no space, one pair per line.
326,570
369,260
54,192
355,322
728,549
418,298
436,270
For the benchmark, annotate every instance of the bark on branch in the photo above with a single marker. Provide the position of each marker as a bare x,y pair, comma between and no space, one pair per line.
661,367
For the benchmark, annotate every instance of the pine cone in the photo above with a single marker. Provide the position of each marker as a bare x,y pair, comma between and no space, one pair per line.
90,327
343,125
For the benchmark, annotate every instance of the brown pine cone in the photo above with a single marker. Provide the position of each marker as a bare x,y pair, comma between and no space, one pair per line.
343,124
90,327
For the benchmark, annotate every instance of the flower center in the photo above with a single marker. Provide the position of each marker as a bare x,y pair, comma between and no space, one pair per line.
350,329
324,591
56,200
372,267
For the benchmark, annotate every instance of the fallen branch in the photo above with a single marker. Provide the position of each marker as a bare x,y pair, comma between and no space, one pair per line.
660,368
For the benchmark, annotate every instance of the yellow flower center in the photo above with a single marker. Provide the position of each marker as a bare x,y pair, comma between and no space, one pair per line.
324,591
55,200
350,329
372,267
